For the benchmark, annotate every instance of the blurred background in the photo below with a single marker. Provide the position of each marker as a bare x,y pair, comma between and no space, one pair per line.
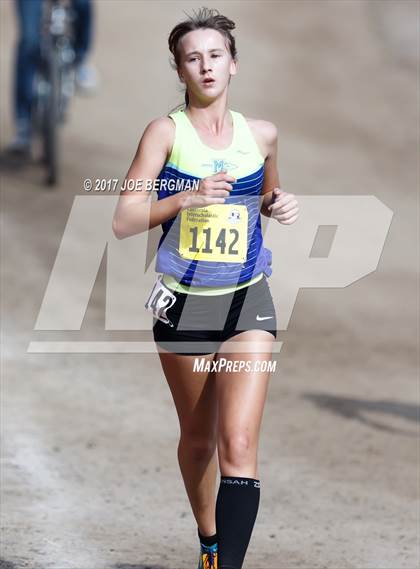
89,467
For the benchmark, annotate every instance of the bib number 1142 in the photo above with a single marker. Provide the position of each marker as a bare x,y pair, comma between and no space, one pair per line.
214,233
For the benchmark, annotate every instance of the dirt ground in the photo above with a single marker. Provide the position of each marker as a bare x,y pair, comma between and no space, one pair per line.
90,478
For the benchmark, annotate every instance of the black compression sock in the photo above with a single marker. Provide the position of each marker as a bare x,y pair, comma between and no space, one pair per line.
207,540
236,511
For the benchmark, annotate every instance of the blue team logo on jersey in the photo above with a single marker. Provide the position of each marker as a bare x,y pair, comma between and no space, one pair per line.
218,164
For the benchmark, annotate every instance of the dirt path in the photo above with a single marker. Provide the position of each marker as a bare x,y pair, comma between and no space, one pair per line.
90,475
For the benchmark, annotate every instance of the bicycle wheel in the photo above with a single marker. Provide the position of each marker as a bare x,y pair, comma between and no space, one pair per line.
51,118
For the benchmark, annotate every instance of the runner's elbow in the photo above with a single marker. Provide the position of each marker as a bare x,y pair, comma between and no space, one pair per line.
124,230
117,230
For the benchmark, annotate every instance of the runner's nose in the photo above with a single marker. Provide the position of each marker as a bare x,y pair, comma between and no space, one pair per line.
205,66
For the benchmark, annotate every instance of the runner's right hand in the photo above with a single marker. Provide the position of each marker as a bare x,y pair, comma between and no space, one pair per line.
211,190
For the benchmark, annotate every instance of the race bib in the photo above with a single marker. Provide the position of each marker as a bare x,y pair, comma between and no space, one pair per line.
160,299
218,232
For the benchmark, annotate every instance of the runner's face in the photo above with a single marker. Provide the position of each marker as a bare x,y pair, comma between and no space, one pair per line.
206,64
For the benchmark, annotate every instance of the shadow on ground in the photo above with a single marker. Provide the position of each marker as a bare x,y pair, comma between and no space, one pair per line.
131,566
355,409
7,564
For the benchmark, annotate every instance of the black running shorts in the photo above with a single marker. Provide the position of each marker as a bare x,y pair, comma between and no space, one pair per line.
211,320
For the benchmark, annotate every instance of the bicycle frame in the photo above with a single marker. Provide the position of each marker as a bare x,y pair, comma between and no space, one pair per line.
54,81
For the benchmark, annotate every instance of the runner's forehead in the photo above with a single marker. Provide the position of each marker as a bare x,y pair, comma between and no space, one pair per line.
202,41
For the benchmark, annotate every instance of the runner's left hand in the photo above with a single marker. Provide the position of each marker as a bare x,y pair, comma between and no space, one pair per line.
284,207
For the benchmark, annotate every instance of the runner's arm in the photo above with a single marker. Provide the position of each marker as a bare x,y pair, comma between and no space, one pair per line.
271,176
136,211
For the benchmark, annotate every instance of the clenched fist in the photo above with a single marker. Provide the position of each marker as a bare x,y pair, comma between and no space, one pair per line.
284,207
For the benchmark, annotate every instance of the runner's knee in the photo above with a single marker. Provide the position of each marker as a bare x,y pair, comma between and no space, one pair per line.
198,448
235,449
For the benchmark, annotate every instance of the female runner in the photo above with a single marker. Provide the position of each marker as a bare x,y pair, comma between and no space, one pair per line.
214,278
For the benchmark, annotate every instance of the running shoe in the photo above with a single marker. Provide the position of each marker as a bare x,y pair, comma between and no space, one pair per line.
208,557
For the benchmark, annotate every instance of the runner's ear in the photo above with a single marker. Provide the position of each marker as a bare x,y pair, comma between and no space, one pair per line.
233,67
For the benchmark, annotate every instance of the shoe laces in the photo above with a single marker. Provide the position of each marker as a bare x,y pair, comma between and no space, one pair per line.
209,559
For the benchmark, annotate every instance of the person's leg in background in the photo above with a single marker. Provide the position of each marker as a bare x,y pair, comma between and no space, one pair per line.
86,76
28,14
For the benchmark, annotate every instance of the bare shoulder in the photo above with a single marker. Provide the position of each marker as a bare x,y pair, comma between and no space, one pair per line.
161,126
159,134
265,129
265,133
